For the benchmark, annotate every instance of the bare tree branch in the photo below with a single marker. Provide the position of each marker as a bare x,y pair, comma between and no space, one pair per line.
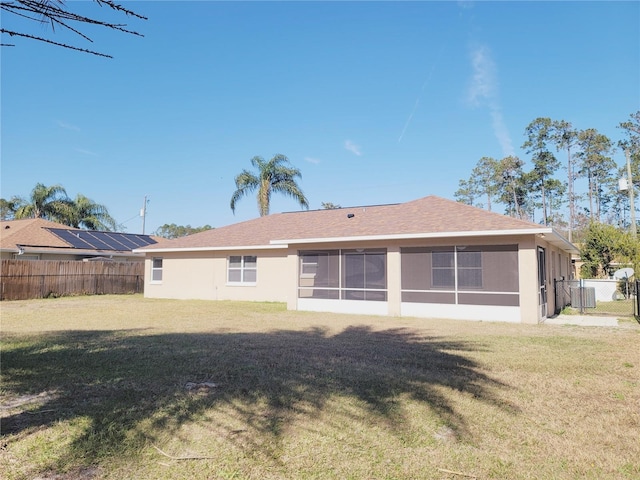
56,14
40,39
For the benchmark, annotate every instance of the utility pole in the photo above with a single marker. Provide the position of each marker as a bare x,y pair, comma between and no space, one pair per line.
143,213
632,204
571,203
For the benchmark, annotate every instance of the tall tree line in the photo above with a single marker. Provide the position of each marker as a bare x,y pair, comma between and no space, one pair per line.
543,191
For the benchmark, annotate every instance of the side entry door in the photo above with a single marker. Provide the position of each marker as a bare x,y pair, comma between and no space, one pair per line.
542,281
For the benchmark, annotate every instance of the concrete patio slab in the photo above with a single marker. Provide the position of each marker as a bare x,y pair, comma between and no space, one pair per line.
582,320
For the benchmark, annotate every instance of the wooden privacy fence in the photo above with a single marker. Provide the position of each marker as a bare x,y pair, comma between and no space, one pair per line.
25,279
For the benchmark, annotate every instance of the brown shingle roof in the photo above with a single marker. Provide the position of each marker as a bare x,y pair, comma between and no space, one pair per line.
40,234
29,232
428,215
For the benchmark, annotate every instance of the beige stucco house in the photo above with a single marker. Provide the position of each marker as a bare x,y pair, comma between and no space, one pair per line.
39,239
430,257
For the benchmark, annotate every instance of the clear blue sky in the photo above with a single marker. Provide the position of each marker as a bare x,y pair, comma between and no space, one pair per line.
375,102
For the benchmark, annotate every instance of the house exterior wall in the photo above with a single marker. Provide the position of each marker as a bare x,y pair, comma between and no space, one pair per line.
528,280
560,267
203,275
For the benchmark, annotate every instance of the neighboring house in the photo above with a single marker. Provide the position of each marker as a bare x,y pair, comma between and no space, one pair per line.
38,239
425,258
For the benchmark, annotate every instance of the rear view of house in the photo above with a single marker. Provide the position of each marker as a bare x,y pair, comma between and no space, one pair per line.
430,257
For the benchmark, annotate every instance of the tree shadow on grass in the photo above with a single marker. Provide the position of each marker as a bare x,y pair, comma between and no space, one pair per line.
119,379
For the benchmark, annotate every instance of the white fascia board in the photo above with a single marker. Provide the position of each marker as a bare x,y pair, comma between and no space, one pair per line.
411,236
284,243
211,249
563,243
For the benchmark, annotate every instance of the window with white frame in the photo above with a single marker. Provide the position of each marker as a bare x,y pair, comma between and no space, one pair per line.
156,269
309,264
466,266
443,269
242,269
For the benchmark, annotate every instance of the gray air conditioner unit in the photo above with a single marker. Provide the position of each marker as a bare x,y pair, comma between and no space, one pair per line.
583,297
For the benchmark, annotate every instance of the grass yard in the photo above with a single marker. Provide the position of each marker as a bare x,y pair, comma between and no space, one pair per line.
120,387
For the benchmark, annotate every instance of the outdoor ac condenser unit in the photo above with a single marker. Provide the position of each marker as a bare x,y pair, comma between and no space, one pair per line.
583,297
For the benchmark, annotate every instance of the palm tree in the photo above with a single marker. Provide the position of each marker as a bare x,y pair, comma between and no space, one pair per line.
273,176
90,215
50,203
8,207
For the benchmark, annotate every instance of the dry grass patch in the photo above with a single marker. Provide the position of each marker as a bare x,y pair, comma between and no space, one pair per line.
125,387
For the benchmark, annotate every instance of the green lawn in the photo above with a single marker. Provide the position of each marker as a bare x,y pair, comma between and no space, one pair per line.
125,387
623,309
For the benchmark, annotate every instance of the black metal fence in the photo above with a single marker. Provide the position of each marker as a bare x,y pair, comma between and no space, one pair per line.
597,297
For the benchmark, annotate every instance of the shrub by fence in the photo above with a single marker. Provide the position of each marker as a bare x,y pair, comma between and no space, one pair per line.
23,279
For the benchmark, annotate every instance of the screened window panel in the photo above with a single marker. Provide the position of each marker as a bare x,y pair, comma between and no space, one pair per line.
500,299
322,274
321,293
442,259
429,297
443,277
442,269
469,278
375,270
500,269
369,295
491,268
309,265
373,296
361,272
330,269
468,259
319,269
250,261
353,294
235,262
414,268
354,270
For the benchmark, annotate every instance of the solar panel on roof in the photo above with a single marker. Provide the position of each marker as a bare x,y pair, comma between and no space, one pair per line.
143,240
112,240
71,237
92,240
132,239
121,240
